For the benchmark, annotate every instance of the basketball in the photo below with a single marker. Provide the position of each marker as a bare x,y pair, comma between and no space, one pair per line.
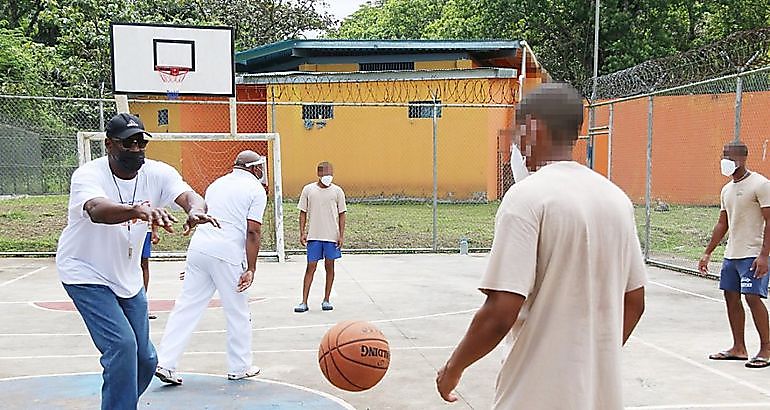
354,355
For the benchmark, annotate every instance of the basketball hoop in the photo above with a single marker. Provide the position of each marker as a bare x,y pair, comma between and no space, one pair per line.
173,78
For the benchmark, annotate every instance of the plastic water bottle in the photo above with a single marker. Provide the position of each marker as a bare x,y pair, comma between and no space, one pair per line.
463,246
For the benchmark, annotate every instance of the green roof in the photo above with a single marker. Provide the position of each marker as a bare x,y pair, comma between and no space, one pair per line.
290,54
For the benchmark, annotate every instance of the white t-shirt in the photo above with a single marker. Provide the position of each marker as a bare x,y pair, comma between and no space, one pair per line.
231,199
743,202
91,253
565,238
323,207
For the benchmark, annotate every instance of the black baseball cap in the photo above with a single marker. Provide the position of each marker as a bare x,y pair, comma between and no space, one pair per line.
124,125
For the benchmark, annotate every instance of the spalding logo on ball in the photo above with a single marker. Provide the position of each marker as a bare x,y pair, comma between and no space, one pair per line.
354,355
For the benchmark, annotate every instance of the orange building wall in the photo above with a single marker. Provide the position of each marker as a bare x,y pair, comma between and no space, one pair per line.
688,135
200,162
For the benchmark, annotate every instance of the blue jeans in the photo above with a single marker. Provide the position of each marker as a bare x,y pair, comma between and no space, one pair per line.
120,330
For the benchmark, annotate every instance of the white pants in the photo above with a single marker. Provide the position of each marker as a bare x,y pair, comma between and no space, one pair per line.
203,275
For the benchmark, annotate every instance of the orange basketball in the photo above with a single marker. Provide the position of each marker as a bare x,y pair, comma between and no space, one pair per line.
354,355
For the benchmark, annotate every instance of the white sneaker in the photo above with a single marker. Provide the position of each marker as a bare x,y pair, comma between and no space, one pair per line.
168,376
253,371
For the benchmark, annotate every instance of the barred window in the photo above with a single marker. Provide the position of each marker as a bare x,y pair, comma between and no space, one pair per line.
163,117
399,66
317,111
424,111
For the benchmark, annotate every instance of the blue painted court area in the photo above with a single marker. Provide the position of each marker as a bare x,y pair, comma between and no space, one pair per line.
200,391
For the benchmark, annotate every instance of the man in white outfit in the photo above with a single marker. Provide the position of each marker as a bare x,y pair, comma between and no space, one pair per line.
215,261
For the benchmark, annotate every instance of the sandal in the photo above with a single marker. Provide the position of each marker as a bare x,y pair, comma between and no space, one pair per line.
726,355
757,362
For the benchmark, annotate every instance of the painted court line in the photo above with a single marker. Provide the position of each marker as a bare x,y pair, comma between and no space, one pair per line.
335,399
205,353
686,292
32,302
23,276
459,312
434,315
702,406
35,305
703,366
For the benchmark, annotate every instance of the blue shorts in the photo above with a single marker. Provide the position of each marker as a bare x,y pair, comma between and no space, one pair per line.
737,276
317,250
147,248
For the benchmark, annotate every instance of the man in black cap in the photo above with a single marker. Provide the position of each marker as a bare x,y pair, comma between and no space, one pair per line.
113,200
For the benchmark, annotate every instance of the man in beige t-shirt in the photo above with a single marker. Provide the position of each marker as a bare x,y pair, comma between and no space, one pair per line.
323,203
745,212
565,280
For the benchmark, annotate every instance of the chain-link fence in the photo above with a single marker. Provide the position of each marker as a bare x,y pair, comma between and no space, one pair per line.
417,176
37,150
663,149
421,175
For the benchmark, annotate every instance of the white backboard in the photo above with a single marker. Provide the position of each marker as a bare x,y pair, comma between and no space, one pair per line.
139,49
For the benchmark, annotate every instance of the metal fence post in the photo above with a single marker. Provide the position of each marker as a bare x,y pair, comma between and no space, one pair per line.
648,193
738,106
280,237
435,173
102,149
591,140
610,128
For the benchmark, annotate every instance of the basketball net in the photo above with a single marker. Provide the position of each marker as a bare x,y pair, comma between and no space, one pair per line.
173,78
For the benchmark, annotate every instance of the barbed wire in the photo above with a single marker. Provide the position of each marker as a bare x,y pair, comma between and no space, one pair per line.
330,88
738,52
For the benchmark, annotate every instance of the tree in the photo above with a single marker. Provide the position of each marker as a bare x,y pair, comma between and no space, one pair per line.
390,19
25,66
561,31
78,30
259,22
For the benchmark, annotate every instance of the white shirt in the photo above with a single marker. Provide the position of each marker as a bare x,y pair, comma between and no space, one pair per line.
231,199
91,253
565,238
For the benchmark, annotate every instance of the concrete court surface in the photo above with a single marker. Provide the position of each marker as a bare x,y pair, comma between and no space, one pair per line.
423,304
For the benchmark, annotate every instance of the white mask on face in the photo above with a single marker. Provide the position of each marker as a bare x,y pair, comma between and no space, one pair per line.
518,165
327,180
728,167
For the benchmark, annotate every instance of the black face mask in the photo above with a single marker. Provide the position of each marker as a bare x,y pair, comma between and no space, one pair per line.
130,161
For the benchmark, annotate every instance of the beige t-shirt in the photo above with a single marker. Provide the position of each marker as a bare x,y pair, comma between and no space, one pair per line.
565,238
323,207
743,202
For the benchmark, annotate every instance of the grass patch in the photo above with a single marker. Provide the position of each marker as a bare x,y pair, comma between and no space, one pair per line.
681,233
34,224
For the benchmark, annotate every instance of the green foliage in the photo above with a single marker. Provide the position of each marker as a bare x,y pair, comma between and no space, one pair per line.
63,46
561,31
26,67
259,22
392,19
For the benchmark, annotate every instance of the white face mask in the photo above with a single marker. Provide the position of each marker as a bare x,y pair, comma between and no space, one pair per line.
327,180
728,167
518,165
